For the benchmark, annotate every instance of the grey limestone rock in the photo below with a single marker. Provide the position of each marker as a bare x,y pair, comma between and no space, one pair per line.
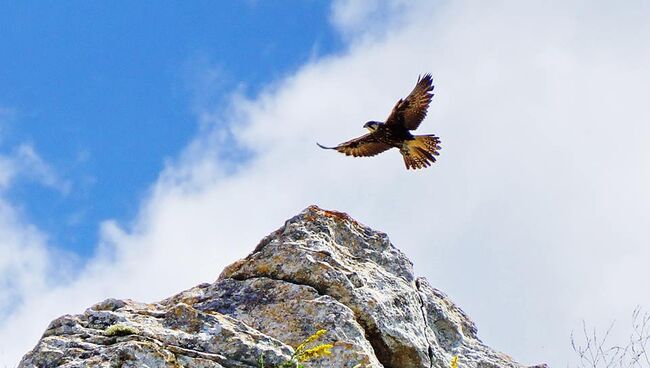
321,270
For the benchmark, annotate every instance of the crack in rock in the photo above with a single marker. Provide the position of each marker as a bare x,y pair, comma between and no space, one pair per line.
426,323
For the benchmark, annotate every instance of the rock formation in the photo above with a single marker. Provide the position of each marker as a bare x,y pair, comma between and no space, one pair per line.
321,270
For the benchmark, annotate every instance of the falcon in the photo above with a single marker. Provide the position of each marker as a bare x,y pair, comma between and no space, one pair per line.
418,151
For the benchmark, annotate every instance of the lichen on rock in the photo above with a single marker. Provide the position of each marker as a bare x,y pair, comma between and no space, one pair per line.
322,270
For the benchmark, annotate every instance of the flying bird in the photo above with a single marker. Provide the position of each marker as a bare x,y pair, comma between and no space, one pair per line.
419,151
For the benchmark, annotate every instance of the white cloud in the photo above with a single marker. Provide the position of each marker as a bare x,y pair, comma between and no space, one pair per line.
24,161
27,268
23,274
23,263
533,219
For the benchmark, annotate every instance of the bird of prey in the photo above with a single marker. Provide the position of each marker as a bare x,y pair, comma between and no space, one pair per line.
419,151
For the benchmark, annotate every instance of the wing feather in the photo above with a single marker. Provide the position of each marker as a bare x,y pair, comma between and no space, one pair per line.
410,111
366,145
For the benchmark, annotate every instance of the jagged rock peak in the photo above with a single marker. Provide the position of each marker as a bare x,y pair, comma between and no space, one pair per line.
321,270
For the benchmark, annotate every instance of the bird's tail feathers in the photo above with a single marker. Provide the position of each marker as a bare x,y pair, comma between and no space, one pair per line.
420,152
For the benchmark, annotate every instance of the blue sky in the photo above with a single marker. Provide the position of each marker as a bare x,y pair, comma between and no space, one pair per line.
105,92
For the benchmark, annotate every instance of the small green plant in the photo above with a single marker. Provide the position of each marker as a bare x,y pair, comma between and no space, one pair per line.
120,330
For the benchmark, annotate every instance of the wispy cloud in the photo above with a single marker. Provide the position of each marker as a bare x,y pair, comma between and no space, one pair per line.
533,219
25,162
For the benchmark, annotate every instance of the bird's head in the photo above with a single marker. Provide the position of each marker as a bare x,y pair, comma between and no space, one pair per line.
372,125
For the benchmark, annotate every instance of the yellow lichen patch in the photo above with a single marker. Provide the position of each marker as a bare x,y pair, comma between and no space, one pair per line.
185,318
232,268
454,361
263,268
190,300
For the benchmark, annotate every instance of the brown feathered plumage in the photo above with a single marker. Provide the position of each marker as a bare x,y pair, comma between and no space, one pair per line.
419,151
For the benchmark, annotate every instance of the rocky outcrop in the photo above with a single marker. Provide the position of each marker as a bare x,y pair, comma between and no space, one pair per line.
321,270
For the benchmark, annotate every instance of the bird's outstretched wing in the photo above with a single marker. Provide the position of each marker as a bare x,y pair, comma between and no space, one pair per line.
410,112
366,145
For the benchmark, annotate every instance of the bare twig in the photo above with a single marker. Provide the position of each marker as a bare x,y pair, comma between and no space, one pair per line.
594,351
